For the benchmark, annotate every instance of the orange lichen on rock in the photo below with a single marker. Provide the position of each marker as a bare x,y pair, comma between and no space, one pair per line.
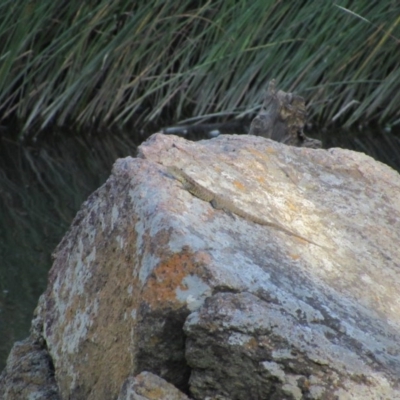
166,278
239,185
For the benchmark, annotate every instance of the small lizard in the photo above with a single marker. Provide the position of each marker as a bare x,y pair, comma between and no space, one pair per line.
222,203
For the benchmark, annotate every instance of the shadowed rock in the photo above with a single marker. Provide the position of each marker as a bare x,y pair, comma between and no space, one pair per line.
282,118
29,373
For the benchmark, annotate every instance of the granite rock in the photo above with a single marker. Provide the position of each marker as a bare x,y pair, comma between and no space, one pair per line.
148,277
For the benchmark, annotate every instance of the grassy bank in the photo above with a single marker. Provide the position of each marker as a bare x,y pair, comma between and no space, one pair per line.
102,63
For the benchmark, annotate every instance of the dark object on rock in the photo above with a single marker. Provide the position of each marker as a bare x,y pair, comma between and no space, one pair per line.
282,118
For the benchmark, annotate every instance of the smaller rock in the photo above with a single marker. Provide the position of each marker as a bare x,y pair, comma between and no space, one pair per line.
282,118
147,386
29,373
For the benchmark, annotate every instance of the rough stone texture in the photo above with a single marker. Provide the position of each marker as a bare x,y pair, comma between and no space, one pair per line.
282,118
143,253
243,346
29,374
147,386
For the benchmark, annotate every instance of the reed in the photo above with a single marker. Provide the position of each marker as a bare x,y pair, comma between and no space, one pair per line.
102,63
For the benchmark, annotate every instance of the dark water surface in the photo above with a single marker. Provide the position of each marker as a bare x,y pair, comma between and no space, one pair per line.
41,189
43,186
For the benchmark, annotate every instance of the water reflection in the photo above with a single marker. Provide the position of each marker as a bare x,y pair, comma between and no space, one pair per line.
41,189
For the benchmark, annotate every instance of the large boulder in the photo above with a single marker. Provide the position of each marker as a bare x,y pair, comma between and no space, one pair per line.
152,278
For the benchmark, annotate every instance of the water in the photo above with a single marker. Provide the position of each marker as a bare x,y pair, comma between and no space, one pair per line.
41,189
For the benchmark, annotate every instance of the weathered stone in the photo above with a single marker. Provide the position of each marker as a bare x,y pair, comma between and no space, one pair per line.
282,118
111,304
147,386
248,347
29,373
143,253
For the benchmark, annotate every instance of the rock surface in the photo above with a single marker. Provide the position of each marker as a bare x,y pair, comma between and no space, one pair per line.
244,347
282,118
151,278
29,373
147,386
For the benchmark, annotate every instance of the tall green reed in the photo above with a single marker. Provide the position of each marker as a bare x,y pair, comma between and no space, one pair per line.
112,63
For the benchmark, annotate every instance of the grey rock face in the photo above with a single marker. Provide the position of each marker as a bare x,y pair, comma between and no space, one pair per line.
29,374
243,346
